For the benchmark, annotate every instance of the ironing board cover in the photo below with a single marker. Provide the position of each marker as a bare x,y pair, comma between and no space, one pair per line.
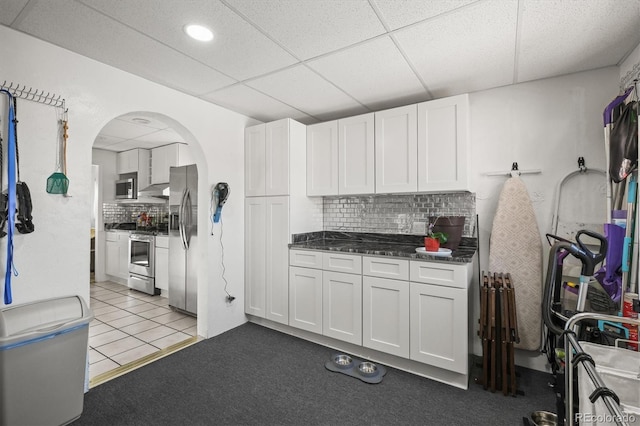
516,248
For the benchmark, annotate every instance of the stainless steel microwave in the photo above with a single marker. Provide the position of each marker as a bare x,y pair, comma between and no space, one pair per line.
126,189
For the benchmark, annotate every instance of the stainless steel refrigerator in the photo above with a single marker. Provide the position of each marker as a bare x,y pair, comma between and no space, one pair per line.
183,235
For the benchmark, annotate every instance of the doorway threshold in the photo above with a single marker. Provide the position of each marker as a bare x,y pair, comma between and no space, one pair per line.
126,368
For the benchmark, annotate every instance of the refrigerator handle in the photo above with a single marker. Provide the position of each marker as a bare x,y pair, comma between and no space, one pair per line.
188,222
181,221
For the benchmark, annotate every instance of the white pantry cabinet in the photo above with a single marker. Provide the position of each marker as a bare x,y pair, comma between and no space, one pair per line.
164,157
396,148
266,258
322,159
267,157
443,144
271,219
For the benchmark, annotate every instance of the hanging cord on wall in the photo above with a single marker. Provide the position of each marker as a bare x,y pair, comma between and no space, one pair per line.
212,210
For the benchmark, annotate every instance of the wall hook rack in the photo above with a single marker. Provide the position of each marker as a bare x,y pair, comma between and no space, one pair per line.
515,171
34,95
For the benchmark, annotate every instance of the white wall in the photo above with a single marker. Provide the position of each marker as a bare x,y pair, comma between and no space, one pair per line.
54,261
632,60
547,125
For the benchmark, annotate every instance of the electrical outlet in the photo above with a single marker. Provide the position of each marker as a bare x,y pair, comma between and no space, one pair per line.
419,228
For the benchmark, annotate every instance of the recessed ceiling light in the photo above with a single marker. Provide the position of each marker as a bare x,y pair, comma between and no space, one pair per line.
140,120
198,32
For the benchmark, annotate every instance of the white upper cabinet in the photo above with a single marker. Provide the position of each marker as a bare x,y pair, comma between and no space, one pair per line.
322,159
132,161
267,158
396,148
341,157
442,144
164,157
356,156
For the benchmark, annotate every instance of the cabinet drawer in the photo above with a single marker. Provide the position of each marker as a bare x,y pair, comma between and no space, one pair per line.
111,236
385,268
444,274
305,259
162,242
349,263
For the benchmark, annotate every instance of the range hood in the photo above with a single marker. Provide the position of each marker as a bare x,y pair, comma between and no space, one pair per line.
158,190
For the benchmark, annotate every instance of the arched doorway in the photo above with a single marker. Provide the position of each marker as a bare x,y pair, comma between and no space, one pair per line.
134,327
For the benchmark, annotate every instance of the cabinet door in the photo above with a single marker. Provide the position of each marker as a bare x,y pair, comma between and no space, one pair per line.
277,158
385,315
162,158
112,258
439,327
342,306
254,256
322,159
305,299
277,259
254,160
185,158
123,255
127,161
442,144
396,149
356,155
162,268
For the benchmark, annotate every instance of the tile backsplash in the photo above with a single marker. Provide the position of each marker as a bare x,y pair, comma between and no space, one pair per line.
119,213
397,214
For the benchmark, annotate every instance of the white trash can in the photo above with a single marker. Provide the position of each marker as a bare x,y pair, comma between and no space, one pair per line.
43,357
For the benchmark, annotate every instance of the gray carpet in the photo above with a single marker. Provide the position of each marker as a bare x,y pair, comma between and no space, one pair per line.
252,375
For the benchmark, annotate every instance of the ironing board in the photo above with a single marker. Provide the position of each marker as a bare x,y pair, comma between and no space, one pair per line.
516,248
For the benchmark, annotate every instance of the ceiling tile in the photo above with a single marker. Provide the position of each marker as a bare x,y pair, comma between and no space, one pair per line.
9,10
312,27
103,141
98,37
460,53
136,117
123,146
125,129
239,50
559,37
375,73
161,137
306,91
397,14
250,102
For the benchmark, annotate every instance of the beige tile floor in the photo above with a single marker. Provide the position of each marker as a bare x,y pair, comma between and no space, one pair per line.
130,325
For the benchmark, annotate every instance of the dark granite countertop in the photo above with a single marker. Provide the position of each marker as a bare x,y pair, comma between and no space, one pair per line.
395,245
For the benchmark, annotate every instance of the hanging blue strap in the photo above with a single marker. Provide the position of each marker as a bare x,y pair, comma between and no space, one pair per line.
11,213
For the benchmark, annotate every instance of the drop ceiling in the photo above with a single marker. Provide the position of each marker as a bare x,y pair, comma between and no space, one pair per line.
317,60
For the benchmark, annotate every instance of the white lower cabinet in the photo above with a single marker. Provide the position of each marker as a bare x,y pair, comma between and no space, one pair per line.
385,314
305,299
117,254
162,263
342,306
412,309
438,317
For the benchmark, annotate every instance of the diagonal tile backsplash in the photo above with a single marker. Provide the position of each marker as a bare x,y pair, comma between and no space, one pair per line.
398,213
